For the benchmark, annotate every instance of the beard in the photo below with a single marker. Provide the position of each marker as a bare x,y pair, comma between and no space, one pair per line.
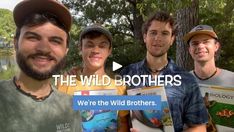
158,53
28,70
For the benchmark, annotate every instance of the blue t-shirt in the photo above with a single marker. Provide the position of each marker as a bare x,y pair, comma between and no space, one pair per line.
185,101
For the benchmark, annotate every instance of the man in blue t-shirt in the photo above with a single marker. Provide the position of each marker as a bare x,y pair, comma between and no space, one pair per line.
185,101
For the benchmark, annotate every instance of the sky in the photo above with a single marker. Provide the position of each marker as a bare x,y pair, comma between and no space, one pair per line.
8,4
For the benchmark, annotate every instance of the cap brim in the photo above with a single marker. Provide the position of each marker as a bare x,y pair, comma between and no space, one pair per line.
188,36
97,29
27,7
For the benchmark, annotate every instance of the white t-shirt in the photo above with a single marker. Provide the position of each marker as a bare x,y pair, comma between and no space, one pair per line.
225,78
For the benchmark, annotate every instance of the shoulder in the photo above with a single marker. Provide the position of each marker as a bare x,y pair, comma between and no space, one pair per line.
186,76
131,68
121,89
61,95
6,84
227,72
188,83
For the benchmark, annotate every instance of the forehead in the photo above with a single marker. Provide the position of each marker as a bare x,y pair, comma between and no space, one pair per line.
97,39
160,26
200,37
45,29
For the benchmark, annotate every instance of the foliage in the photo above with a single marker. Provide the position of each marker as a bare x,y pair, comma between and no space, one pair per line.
122,17
220,15
73,58
7,74
7,26
116,16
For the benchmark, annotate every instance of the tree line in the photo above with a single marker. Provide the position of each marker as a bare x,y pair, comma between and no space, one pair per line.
124,19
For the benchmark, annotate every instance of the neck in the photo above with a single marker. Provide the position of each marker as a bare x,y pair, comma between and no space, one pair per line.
156,63
206,69
34,87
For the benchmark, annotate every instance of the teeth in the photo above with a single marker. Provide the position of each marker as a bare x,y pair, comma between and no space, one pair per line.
200,52
42,57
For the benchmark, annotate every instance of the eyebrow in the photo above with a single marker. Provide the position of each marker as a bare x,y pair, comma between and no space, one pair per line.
35,34
157,31
166,31
31,33
56,37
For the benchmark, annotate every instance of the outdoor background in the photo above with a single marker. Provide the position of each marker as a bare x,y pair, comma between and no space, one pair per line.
124,19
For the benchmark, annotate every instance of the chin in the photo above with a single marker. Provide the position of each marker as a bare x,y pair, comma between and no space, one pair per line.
201,60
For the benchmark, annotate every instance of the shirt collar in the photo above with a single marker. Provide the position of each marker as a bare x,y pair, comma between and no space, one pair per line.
143,64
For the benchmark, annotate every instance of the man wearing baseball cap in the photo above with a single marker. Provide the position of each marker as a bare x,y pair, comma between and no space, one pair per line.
95,45
29,103
203,47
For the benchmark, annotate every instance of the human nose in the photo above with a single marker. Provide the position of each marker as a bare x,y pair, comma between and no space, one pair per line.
200,45
43,46
95,49
158,37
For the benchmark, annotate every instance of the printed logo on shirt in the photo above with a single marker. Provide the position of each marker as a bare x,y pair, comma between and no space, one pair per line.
63,127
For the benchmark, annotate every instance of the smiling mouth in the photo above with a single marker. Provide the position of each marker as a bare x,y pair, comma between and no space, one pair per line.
42,60
95,58
157,45
198,53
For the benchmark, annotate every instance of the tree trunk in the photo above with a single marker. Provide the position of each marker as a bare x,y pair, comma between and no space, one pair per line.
137,21
187,18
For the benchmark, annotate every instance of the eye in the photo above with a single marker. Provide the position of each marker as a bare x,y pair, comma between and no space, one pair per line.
194,44
89,45
153,33
103,45
165,33
57,41
205,41
32,37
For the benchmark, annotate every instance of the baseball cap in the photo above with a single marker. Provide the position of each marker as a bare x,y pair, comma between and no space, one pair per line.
96,28
54,7
200,29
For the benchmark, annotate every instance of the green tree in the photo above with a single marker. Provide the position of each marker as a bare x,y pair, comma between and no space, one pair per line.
124,19
220,15
7,26
187,18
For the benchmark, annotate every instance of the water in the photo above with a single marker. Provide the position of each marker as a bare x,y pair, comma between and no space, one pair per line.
8,67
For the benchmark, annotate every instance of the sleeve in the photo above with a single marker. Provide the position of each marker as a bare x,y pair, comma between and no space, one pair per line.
123,115
62,88
195,110
77,122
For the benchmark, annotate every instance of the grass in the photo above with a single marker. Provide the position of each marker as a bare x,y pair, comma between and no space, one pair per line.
9,73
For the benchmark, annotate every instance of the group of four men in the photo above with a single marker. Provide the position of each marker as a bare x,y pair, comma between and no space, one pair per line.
30,103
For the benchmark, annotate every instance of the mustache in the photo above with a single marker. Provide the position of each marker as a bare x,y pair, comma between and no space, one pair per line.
47,55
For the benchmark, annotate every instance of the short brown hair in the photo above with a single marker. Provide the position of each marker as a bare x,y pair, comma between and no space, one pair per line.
39,19
162,17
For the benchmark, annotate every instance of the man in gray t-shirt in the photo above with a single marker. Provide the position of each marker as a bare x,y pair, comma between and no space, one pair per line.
28,102
203,47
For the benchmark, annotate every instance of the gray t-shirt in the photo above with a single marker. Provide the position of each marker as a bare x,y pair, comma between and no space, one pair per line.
21,113
225,78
